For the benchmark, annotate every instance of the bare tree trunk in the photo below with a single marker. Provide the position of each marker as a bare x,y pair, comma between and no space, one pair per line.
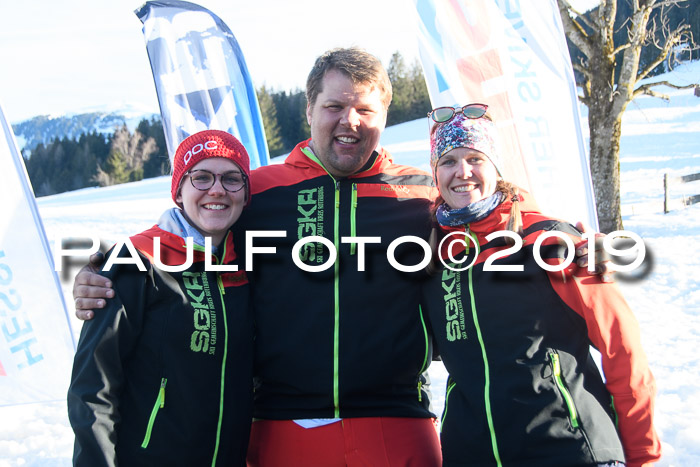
605,128
605,169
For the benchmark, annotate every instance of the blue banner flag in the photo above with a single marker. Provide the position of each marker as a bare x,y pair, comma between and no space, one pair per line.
36,340
513,57
201,77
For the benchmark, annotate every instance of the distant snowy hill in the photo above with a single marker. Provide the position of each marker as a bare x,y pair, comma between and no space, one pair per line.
45,128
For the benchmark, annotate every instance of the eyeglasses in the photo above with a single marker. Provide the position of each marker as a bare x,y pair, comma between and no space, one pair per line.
203,180
445,114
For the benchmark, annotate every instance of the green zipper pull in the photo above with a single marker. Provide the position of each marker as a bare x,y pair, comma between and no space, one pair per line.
420,392
161,392
220,281
556,370
353,226
160,403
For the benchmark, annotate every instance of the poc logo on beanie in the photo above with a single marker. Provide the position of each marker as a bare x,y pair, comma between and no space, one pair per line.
199,147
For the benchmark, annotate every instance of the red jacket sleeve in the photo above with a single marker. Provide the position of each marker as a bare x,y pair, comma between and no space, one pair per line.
614,331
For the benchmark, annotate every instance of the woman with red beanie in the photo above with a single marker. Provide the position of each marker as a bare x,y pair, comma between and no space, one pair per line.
164,375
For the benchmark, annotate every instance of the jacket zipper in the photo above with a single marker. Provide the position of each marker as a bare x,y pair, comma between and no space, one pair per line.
224,358
336,286
556,370
487,376
353,225
336,300
160,403
222,292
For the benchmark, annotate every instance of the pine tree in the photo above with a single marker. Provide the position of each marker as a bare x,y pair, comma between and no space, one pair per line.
401,90
411,99
273,135
291,113
126,158
116,167
158,163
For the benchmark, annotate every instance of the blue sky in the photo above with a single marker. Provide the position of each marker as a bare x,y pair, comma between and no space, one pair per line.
60,56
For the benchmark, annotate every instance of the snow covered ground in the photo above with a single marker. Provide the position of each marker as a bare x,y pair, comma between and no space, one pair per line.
658,137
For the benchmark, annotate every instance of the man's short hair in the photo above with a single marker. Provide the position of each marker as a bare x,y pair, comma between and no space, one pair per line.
361,67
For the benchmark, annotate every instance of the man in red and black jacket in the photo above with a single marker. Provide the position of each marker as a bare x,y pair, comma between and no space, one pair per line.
347,344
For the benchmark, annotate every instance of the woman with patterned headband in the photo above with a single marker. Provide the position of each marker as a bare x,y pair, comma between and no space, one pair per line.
163,375
523,389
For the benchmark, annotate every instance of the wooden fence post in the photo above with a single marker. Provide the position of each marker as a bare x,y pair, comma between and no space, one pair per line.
687,201
666,193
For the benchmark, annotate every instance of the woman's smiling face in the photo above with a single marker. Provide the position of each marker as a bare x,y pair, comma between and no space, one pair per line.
212,211
465,176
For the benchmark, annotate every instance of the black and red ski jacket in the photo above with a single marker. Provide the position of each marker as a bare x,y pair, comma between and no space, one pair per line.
163,376
342,342
523,389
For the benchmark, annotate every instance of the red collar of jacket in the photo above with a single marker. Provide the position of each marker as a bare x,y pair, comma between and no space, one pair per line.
378,162
173,251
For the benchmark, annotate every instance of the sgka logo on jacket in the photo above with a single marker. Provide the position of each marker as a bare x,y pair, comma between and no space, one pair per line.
310,222
204,314
454,311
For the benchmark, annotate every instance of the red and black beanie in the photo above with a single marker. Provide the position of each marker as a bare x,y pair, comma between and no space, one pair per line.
204,145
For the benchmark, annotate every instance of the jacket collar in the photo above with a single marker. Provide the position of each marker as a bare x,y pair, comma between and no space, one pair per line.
303,157
173,249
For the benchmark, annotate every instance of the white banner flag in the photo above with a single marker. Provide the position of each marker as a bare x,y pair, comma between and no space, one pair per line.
36,340
513,57
201,76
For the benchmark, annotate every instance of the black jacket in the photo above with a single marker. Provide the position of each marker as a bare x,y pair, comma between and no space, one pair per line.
523,388
341,342
163,376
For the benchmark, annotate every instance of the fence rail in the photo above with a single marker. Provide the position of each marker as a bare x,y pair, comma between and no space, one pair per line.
687,201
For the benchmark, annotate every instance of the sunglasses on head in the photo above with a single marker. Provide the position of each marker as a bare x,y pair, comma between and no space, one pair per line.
445,114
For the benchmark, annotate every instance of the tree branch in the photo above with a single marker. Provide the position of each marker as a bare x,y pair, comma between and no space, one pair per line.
608,8
574,31
581,17
665,3
620,48
671,40
648,89
629,69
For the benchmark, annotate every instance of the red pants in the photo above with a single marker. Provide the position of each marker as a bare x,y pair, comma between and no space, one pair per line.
352,442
